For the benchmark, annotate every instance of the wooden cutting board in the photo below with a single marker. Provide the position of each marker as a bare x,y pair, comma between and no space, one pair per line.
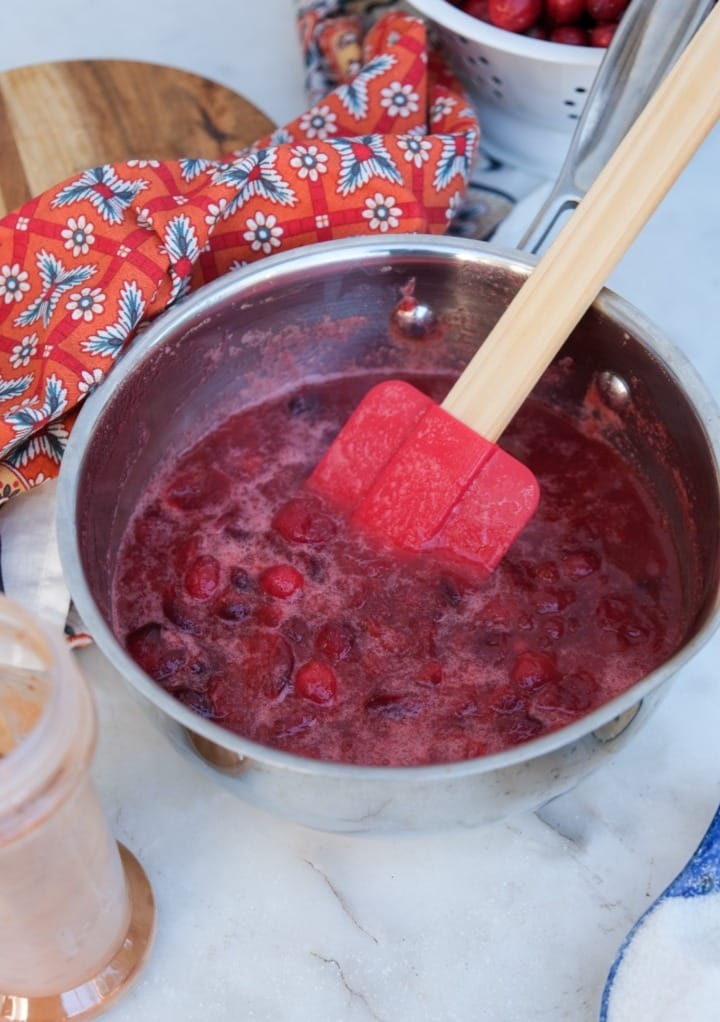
59,119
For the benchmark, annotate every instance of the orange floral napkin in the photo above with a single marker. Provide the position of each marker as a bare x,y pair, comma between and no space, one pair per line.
83,265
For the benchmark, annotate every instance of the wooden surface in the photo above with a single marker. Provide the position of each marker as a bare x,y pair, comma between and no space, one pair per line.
59,119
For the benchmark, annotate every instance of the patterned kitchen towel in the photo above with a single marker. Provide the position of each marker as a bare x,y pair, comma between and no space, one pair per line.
84,265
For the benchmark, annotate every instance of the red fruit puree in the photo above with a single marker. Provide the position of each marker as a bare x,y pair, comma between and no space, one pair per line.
252,603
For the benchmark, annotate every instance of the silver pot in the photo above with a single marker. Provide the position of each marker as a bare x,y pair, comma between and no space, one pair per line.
316,311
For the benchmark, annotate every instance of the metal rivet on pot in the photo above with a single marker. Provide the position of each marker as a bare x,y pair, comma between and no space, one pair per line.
614,390
413,318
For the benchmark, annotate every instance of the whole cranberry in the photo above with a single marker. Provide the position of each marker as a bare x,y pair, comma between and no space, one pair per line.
571,35
316,682
565,12
514,15
606,10
477,9
602,35
281,581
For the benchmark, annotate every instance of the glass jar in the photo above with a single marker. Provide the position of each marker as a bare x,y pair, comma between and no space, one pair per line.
76,910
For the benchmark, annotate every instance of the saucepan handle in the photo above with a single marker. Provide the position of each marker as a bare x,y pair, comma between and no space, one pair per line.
650,37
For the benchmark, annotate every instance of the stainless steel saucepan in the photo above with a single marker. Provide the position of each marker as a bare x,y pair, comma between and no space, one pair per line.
315,311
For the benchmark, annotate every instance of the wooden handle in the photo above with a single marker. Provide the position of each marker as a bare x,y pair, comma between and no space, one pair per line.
569,276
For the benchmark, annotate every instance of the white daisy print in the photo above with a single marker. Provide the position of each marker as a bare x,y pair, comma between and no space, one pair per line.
308,161
417,150
13,283
454,206
382,212
215,211
441,108
143,163
89,381
86,304
24,351
78,235
319,122
263,232
400,100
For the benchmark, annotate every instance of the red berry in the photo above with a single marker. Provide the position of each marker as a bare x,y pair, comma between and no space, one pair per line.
202,577
303,520
154,651
534,32
335,640
532,670
571,35
514,15
565,12
606,10
315,681
281,581
602,35
574,693
389,706
196,487
477,9
577,564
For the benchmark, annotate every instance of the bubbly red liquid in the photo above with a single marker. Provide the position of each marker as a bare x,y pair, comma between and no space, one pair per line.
253,603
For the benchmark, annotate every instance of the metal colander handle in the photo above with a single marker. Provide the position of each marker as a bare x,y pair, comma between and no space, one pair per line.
650,37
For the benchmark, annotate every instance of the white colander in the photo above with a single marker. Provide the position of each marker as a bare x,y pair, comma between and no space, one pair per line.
528,92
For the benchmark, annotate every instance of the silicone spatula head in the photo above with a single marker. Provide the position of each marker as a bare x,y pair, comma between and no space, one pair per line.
407,472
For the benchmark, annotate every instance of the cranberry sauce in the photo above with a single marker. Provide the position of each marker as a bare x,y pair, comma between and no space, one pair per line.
253,604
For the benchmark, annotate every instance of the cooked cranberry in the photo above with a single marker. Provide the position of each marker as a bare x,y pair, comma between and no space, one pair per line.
514,15
553,600
606,10
602,35
506,700
154,650
230,524
269,663
241,580
316,681
547,571
296,631
202,577
391,706
431,673
577,564
335,640
533,669
570,35
179,614
518,727
303,520
232,607
574,693
268,614
196,487
565,12
281,581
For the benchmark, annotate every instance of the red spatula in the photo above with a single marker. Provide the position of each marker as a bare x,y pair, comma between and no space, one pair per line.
428,477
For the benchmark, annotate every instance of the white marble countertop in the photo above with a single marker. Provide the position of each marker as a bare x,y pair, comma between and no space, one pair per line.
263,920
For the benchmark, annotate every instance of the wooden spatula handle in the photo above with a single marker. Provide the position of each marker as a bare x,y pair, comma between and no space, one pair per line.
577,264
